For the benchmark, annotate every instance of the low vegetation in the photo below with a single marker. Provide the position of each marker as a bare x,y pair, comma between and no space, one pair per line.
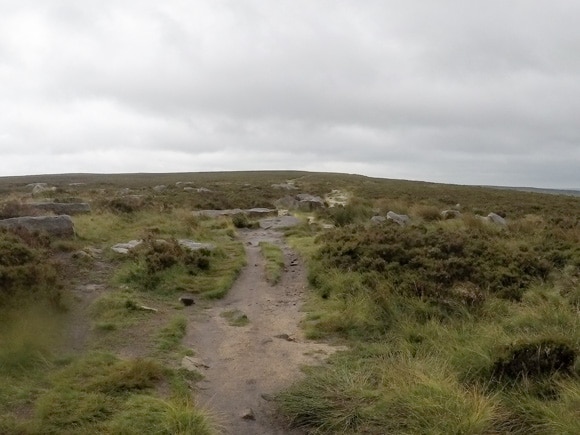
453,326
235,318
274,258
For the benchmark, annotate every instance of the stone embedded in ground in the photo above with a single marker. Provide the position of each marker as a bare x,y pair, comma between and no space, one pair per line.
58,226
187,300
496,219
401,219
193,364
248,414
124,248
378,219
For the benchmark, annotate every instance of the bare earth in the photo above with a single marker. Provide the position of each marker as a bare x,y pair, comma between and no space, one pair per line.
244,365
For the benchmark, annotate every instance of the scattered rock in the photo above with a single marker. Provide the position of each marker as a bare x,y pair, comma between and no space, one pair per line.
401,219
492,218
203,190
248,414
184,183
279,222
58,226
450,214
187,300
309,202
378,219
195,246
72,208
302,201
160,188
124,248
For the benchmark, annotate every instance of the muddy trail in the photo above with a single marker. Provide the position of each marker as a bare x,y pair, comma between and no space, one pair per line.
243,366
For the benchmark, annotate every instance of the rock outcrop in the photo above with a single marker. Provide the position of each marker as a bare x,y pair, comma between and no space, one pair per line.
124,248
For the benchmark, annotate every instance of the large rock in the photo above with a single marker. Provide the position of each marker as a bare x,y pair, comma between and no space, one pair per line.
57,226
496,219
62,208
309,202
492,218
401,219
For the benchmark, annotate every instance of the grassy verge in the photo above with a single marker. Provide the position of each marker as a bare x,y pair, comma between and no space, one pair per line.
274,262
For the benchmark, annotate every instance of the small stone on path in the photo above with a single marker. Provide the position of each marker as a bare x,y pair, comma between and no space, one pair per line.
248,414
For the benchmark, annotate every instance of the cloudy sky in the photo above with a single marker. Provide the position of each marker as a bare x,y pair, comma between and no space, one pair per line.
464,91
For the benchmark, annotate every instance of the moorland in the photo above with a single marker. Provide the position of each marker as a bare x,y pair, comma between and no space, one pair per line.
449,323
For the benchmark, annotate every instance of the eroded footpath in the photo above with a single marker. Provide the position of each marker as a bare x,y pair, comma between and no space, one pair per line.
243,366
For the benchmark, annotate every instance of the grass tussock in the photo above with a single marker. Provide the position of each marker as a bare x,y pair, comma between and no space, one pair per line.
235,318
274,258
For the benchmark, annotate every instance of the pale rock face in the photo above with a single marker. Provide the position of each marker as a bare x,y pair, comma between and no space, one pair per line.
401,219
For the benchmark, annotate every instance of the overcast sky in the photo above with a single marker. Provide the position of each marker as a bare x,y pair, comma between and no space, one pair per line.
465,91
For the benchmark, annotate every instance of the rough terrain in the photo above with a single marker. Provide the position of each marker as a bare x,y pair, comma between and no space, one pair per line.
244,365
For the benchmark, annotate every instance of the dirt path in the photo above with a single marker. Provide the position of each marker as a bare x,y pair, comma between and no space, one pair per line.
247,364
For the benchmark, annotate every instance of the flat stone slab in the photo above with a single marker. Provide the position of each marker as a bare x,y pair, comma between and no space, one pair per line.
124,248
279,222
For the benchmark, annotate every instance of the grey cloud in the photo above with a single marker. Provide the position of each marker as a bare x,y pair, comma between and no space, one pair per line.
450,91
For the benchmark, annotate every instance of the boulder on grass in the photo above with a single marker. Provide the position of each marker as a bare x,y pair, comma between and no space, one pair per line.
58,226
401,219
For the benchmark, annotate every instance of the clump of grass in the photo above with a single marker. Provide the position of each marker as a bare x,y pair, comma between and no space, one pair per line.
169,337
427,213
274,261
146,414
235,318
101,394
390,393
241,220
